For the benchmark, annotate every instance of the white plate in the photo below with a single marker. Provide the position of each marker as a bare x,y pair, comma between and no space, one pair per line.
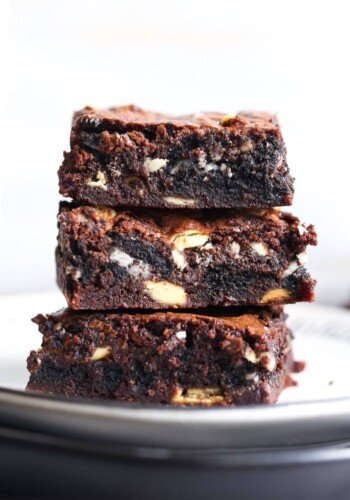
314,411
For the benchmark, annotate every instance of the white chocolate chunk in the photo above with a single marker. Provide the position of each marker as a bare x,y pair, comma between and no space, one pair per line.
165,292
181,202
179,259
268,361
259,248
189,239
101,181
181,335
77,275
235,248
100,353
155,164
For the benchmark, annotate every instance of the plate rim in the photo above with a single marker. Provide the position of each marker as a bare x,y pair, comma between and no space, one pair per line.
302,423
117,422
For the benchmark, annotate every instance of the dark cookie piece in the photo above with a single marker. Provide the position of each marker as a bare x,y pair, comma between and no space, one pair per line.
173,358
148,259
131,157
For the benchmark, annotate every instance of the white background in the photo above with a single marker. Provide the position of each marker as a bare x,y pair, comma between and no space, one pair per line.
289,57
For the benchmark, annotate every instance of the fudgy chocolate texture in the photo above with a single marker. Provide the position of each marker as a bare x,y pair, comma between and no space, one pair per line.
174,358
148,259
131,157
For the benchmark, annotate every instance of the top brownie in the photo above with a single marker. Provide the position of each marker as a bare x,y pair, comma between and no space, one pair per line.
131,157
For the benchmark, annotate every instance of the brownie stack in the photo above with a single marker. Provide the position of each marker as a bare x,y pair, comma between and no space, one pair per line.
174,262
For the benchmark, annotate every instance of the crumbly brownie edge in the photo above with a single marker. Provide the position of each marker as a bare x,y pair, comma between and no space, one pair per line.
133,118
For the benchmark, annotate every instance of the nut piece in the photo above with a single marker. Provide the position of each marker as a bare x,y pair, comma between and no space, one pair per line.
201,395
100,182
259,248
105,213
250,355
100,353
275,294
165,292
155,164
189,239
181,202
226,119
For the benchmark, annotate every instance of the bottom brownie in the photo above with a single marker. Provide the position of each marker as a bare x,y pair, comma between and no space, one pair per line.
165,357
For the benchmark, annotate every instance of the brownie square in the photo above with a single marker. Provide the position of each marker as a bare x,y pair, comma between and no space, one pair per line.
176,358
125,156
158,259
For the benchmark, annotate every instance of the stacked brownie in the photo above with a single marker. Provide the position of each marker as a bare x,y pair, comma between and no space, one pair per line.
174,262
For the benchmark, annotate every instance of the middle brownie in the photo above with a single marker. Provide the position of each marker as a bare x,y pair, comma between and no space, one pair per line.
161,259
